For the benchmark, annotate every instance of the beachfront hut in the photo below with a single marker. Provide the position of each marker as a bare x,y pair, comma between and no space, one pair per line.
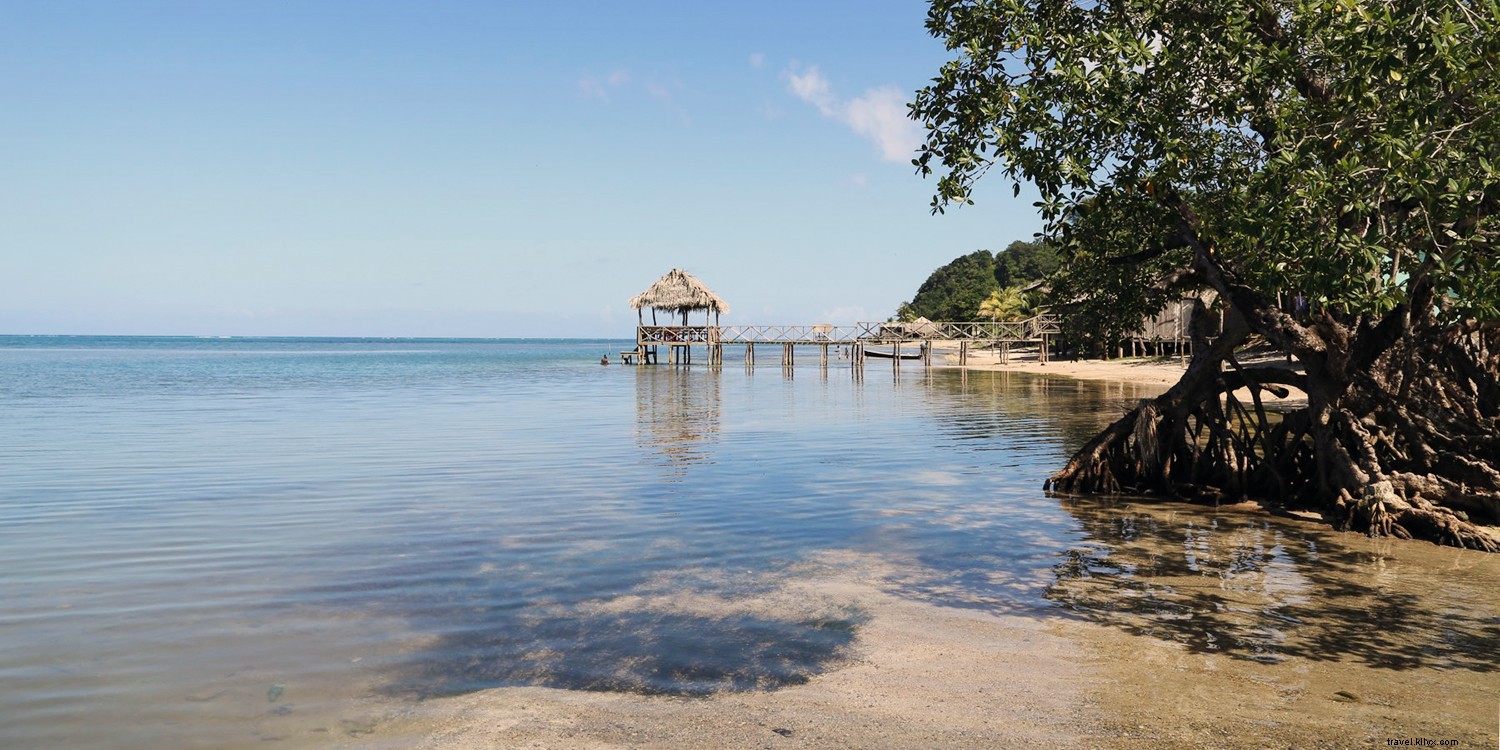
679,292
923,328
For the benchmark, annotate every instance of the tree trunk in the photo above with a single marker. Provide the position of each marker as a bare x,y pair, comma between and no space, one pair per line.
1400,435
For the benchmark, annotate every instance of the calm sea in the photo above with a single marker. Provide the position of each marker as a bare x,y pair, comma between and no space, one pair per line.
204,538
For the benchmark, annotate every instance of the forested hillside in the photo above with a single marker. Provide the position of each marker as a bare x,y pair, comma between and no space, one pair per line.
957,290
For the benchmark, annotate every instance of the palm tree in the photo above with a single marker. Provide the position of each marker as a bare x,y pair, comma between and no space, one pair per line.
993,307
1010,303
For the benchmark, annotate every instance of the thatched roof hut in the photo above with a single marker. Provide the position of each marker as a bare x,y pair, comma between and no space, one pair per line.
924,328
679,292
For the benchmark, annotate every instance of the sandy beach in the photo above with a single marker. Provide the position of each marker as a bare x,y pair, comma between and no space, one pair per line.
1160,372
1163,371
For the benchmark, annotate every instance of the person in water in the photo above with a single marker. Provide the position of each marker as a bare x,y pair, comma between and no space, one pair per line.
604,360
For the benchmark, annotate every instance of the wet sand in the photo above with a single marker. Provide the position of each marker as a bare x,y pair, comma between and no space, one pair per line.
920,675
926,674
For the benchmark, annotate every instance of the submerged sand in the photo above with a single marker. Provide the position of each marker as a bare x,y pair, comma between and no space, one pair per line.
938,674
928,674
920,676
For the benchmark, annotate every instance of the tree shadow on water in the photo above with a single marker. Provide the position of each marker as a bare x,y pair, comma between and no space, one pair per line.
1264,589
645,652
626,628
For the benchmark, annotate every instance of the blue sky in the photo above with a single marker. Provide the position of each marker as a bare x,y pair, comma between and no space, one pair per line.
463,168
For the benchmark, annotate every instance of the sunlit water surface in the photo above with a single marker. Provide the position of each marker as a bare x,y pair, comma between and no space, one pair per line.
202,540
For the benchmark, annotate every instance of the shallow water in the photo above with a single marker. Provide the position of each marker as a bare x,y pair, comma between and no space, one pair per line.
223,542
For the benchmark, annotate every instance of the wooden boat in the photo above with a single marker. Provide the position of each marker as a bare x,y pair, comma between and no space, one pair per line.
878,354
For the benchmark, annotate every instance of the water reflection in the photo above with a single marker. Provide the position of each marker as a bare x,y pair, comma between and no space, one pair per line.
676,587
1265,589
989,405
677,415
967,505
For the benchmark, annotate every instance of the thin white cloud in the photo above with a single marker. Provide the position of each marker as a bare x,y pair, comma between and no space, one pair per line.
665,93
757,59
879,115
813,88
658,91
624,83
594,87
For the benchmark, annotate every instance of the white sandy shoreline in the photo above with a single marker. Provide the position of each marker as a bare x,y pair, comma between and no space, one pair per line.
1154,371
1162,372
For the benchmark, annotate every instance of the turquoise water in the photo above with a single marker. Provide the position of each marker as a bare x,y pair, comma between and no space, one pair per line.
199,534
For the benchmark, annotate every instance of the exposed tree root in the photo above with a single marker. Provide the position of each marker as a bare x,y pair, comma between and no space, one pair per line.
1400,438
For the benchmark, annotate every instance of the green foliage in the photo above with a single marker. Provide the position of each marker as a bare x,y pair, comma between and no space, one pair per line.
1347,149
960,289
955,291
1023,262
1101,300
1010,303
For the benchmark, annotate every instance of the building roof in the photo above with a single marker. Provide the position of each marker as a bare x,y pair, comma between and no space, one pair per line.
679,291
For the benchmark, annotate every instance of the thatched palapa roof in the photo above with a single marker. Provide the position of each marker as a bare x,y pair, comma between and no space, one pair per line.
679,291
923,327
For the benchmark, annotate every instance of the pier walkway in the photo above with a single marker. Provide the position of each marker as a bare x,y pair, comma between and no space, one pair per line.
890,340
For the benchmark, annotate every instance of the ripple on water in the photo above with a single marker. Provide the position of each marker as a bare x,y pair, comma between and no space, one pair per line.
183,529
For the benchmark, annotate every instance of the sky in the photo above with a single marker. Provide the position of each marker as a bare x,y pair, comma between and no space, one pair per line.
478,168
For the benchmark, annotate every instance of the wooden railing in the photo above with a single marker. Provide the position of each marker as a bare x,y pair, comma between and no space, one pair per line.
813,334
1031,329
659,335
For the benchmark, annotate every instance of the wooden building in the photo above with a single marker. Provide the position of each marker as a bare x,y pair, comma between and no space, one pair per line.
677,293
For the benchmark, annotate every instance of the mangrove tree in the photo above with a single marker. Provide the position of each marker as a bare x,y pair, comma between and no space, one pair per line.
1326,170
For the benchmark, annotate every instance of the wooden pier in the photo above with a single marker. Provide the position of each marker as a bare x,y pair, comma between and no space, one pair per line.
679,293
894,341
